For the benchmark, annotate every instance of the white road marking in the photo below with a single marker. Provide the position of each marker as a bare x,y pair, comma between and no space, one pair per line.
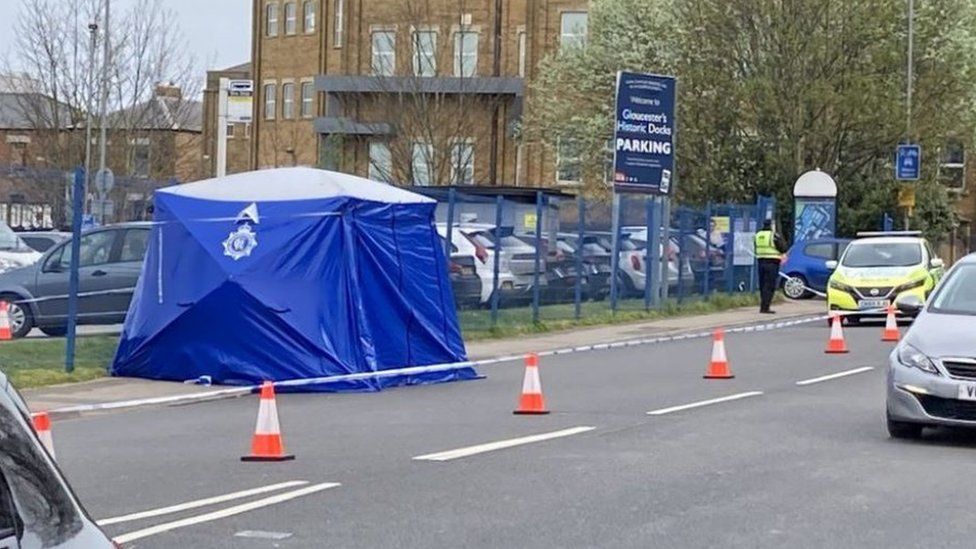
835,376
261,534
501,445
224,513
701,403
201,502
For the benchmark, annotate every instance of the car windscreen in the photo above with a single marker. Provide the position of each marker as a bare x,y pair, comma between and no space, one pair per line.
883,254
958,293
9,241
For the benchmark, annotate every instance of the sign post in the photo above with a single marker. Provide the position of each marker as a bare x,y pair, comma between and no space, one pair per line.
908,167
644,138
233,106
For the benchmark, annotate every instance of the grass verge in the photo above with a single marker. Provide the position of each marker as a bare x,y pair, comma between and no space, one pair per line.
40,362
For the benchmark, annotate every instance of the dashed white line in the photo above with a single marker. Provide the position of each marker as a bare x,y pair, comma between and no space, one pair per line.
701,403
845,373
501,445
224,513
201,502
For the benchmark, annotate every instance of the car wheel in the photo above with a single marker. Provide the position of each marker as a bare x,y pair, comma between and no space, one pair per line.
902,429
55,331
21,319
795,287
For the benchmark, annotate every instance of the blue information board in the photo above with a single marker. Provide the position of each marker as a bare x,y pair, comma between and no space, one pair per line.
815,218
645,126
908,162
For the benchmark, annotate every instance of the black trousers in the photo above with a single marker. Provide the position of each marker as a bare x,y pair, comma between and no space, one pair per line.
768,279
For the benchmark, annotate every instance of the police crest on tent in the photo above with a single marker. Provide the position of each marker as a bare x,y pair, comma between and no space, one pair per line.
240,243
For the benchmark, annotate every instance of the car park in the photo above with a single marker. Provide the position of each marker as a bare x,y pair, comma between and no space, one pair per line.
804,270
482,257
879,269
109,267
518,254
932,372
42,241
37,506
465,282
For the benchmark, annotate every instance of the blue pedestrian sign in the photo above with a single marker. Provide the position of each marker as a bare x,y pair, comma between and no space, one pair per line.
908,162
643,159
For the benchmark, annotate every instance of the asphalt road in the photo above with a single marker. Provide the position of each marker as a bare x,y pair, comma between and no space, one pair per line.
795,466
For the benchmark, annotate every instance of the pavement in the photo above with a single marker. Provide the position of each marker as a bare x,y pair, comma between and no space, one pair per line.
639,451
116,390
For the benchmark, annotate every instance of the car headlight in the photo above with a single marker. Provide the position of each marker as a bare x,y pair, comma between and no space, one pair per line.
840,286
912,357
910,285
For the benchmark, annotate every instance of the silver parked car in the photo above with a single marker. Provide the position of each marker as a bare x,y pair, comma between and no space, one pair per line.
109,267
37,507
932,372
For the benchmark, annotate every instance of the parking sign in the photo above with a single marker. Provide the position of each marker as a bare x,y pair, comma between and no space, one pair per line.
908,162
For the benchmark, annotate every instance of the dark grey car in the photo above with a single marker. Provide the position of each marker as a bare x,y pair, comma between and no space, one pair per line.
110,263
37,507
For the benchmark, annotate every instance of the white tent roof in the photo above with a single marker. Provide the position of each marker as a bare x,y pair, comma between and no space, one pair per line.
281,184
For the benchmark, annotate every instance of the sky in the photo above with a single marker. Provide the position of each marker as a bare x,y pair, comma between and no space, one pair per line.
218,31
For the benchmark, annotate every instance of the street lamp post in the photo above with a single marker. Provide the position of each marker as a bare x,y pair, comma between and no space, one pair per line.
910,77
93,32
104,104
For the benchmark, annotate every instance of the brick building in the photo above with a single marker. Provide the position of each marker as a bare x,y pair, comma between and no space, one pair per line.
411,91
238,135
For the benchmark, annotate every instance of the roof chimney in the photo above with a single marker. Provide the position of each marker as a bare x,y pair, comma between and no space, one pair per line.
169,90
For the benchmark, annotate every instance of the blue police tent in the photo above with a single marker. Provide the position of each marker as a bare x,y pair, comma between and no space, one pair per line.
290,274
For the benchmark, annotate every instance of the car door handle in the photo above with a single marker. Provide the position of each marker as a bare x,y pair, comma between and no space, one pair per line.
99,272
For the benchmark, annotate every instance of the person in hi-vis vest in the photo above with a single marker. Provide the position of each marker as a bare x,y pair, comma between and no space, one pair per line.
769,253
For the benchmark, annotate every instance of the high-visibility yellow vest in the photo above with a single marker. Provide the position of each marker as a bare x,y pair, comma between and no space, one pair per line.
765,246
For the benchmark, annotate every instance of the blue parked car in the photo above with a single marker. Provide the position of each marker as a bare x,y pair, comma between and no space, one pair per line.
805,267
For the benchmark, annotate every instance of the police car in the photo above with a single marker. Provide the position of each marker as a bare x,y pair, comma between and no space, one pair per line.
879,268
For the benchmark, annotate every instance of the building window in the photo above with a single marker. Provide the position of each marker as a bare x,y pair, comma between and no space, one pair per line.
952,165
568,165
384,53
271,20
424,53
465,53
337,23
230,131
291,18
421,163
572,30
308,94
140,157
288,101
522,44
270,101
380,162
308,10
462,163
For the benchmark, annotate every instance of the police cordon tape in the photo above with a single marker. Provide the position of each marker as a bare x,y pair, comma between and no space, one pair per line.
787,277
433,368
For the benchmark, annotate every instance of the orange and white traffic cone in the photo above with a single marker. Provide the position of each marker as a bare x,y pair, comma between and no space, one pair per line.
531,402
718,367
836,343
890,332
6,333
267,444
42,426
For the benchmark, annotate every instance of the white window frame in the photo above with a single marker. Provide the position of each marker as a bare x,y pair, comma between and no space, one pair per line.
230,130
383,63
378,172
307,109
562,158
291,19
523,44
308,16
461,53
338,22
270,100
417,56
422,161
271,19
567,36
288,100
467,177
